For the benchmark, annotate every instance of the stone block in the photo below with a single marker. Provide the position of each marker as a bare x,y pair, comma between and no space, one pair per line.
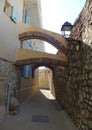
90,124
2,111
90,75
85,113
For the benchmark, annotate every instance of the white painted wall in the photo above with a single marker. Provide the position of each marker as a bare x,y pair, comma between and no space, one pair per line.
8,31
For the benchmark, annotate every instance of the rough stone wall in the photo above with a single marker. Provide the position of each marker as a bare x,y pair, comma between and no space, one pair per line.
21,87
82,29
73,84
77,87
7,74
85,34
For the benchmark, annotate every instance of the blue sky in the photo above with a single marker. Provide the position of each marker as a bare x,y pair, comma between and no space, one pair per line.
56,12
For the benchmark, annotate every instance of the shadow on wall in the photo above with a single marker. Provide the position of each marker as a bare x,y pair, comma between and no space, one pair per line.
27,87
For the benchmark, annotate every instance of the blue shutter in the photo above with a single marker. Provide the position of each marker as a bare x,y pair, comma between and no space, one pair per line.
26,71
14,14
30,42
26,17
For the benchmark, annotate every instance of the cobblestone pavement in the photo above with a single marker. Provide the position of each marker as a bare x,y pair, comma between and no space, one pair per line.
38,113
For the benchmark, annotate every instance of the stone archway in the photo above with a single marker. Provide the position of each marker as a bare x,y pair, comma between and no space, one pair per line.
26,57
44,61
32,32
45,76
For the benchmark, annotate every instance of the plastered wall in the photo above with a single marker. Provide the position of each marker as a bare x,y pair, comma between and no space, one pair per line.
8,32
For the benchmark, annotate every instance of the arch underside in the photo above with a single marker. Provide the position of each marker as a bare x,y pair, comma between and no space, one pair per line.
41,61
25,56
35,66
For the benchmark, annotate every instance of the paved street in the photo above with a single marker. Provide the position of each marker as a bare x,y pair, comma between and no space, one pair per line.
38,113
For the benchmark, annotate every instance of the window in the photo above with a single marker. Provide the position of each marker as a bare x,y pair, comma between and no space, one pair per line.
26,17
30,43
8,9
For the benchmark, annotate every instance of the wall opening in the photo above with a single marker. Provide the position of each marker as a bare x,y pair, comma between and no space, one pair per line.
38,45
45,78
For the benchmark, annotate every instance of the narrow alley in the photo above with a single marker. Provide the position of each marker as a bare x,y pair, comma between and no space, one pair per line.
28,70
40,112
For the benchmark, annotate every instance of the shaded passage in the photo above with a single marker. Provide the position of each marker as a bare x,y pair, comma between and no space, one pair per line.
38,113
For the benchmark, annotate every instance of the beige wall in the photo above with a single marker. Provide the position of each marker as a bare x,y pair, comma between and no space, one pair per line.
33,12
45,79
8,31
27,88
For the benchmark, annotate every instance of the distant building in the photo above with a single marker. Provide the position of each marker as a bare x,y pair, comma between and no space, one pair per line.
32,15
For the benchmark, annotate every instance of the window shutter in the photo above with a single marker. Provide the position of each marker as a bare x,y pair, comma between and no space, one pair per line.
14,14
27,71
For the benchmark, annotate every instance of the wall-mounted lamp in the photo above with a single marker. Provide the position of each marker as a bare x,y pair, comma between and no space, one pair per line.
66,28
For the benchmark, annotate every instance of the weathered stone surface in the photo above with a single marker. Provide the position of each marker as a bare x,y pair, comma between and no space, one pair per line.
2,111
74,86
7,74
